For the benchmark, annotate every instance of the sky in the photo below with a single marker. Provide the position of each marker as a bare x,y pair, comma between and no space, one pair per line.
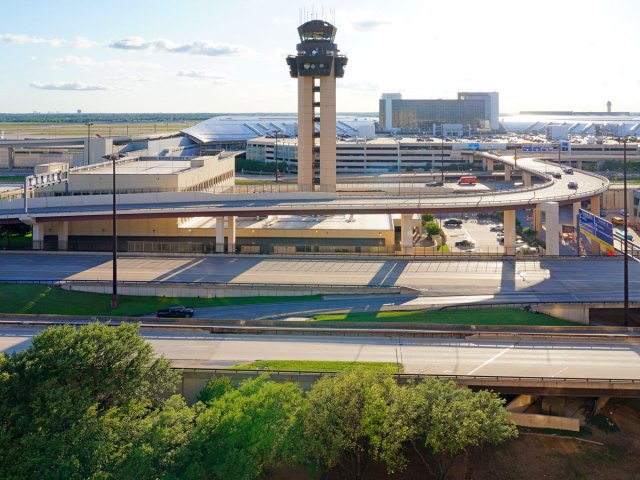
229,56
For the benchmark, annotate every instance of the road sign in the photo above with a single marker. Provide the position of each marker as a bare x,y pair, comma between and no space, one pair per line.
596,228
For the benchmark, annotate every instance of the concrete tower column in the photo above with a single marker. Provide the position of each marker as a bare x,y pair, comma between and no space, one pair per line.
220,235
509,223
63,236
508,169
527,179
37,236
328,133
490,164
305,134
576,209
406,229
552,227
231,234
537,222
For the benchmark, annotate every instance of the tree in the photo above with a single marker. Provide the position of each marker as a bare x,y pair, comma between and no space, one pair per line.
428,217
352,416
244,431
14,230
432,228
453,419
70,403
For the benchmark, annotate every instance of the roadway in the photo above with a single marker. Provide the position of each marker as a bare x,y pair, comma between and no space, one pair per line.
199,349
437,282
194,204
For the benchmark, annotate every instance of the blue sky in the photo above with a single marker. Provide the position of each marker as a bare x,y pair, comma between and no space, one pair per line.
228,56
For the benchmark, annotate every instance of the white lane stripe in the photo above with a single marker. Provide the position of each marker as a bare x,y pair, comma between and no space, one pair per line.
491,359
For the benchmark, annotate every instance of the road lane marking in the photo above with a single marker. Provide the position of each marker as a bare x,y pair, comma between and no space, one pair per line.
496,356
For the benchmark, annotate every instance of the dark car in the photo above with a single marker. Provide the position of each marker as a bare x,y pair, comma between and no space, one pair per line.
573,185
464,243
434,184
177,311
453,221
556,175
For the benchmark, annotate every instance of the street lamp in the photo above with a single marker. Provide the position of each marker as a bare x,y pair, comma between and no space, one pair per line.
114,284
88,142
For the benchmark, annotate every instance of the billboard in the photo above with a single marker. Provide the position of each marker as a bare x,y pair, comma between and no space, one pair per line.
596,228
537,147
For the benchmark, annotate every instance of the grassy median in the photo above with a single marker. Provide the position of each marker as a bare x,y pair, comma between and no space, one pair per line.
42,299
476,316
319,366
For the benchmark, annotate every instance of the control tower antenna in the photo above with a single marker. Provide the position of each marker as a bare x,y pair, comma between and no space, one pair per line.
316,65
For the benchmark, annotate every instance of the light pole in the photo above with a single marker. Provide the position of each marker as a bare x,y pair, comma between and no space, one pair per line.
114,245
88,142
275,153
626,244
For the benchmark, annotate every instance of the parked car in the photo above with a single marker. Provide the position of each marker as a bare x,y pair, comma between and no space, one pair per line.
573,185
453,222
434,184
465,244
497,228
177,311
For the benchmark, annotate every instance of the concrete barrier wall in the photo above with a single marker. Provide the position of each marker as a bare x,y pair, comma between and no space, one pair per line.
573,313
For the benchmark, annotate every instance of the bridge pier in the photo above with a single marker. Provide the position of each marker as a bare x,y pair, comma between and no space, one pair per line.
576,208
406,233
508,170
552,227
63,235
527,179
595,205
489,165
537,222
219,234
231,235
509,223
37,240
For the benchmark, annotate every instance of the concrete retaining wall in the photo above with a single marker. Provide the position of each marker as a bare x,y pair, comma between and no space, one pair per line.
545,421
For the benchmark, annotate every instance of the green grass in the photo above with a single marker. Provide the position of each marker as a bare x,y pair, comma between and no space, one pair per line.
320,366
42,299
444,248
478,316
19,179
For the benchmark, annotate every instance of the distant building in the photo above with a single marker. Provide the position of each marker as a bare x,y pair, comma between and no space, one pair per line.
557,132
471,112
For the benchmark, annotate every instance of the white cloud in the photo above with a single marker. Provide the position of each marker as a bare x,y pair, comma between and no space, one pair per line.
133,78
87,63
200,47
82,43
69,86
22,39
82,62
215,77
369,25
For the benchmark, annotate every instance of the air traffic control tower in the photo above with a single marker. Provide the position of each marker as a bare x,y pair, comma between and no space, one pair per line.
316,66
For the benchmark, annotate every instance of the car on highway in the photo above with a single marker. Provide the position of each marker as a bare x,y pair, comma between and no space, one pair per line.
573,185
556,175
497,228
453,222
617,221
568,171
434,184
603,213
176,311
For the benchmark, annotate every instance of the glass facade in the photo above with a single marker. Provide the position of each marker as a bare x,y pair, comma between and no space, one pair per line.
428,115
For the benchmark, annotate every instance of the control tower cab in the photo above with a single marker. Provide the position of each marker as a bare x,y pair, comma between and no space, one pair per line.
316,65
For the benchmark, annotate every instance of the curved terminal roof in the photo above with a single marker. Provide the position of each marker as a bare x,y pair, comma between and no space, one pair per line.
240,128
579,124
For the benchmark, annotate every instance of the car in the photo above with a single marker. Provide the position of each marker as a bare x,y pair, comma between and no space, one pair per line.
603,213
465,244
572,185
497,228
176,311
556,175
623,213
434,184
617,221
453,222
568,171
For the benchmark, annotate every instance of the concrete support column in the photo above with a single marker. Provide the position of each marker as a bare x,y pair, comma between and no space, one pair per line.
220,235
527,179
328,133
305,134
552,227
484,164
576,209
537,221
508,169
63,236
37,236
406,229
509,223
11,161
231,234
595,205
490,165
579,164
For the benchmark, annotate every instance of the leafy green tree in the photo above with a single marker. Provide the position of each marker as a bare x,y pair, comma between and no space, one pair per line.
70,402
432,228
427,217
244,431
353,416
215,388
453,419
14,230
